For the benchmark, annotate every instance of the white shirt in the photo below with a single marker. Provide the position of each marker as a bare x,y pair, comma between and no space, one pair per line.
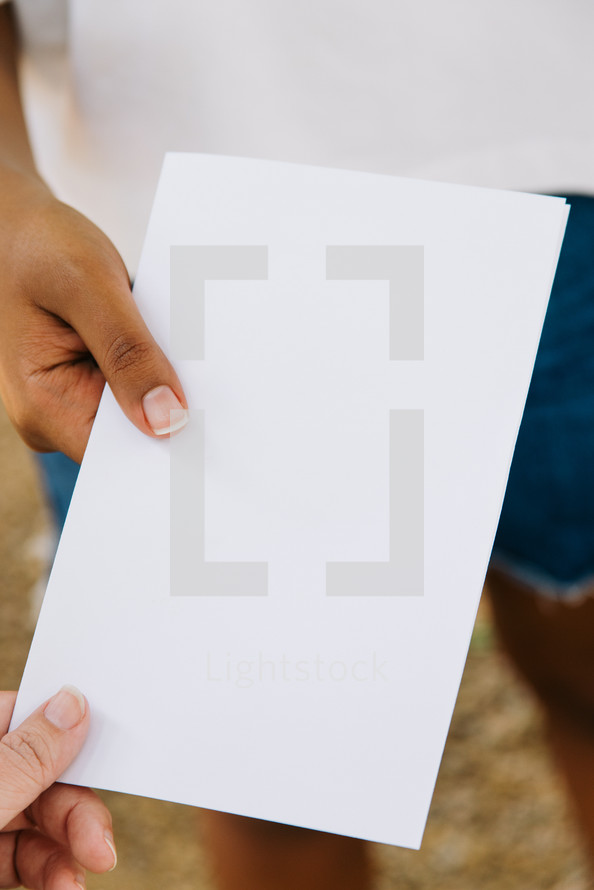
488,93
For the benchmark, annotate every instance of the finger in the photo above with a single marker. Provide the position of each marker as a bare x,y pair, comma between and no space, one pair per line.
137,371
51,385
35,754
41,864
78,819
63,403
7,700
96,300
8,875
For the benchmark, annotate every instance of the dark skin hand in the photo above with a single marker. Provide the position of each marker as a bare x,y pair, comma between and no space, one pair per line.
68,321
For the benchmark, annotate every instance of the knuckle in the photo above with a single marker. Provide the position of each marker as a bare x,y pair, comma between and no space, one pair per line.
26,419
54,866
126,352
29,415
30,755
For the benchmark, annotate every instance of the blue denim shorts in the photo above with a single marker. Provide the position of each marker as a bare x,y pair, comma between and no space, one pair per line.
546,530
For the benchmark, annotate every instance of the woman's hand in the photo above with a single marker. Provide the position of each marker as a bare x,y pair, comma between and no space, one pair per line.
49,833
68,323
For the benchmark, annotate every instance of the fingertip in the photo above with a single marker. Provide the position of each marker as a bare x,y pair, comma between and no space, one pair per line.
109,841
97,850
164,412
66,709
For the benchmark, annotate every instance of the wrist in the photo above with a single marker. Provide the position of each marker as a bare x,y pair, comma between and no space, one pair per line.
22,193
21,182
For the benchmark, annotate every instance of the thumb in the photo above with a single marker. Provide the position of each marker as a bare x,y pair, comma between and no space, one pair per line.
136,369
92,294
35,754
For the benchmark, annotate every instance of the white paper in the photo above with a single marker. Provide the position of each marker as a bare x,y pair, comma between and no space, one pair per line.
338,722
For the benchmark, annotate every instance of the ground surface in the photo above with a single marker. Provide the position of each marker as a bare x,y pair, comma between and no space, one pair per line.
498,819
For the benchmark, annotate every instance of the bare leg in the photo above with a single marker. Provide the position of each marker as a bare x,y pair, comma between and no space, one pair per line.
249,854
552,646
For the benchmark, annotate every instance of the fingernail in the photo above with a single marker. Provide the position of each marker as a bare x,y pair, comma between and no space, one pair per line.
66,709
109,841
158,405
80,881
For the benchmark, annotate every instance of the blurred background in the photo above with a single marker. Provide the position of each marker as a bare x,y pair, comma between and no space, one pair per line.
498,819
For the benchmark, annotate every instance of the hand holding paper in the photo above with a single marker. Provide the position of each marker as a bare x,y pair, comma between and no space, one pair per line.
48,831
68,323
